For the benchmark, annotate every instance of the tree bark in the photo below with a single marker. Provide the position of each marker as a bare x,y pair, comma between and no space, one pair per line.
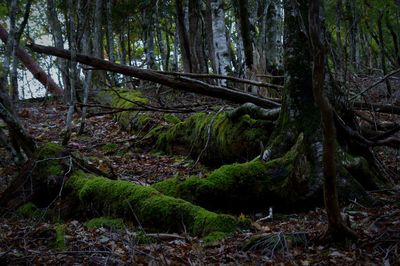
246,35
219,35
183,37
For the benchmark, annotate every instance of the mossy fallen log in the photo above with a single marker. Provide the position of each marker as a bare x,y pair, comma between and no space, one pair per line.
151,208
214,138
285,183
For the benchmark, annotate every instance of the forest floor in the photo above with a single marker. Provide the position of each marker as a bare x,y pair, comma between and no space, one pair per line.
25,241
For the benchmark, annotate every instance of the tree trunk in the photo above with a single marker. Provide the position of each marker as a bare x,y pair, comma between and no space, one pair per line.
336,227
73,72
17,134
382,53
59,43
219,35
183,36
246,35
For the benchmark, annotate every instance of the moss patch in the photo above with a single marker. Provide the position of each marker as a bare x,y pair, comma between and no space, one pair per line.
59,242
109,147
216,137
214,237
125,98
106,222
153,209
29,210
48,160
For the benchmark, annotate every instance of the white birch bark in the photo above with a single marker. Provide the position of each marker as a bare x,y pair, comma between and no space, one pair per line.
220,43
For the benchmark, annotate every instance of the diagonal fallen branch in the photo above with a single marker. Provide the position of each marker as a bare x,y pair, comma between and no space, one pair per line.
376,83
180,83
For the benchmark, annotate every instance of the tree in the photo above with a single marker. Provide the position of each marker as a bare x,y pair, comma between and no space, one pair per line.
336,227
219,36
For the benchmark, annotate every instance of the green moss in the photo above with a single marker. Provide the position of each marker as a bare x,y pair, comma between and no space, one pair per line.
125,98
29,210
239,187
59,242
109,147
172,119
214,237
216,137
55,169
152,209
49,150
106,222
144,239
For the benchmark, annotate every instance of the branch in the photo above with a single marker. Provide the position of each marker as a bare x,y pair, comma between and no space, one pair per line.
214,76
376,83
380,108
180,83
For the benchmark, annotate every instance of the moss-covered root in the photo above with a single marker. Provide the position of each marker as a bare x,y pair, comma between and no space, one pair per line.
151,208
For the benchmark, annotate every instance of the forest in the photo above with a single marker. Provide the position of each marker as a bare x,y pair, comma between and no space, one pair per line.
200,132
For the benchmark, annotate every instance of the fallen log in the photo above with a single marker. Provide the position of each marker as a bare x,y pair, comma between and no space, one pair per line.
37,72
176,82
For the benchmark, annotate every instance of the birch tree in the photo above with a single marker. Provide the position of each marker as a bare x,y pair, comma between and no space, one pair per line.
219,35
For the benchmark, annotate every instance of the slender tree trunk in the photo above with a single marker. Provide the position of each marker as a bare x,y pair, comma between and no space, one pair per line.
110,39
99,77
183,37
339,43
73,73
59,43
209,36
336,227
246,35
9,58
196,34
220,42
382,53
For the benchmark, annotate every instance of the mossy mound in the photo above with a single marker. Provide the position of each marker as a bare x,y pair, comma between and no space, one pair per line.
216,138
126,98
151,208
